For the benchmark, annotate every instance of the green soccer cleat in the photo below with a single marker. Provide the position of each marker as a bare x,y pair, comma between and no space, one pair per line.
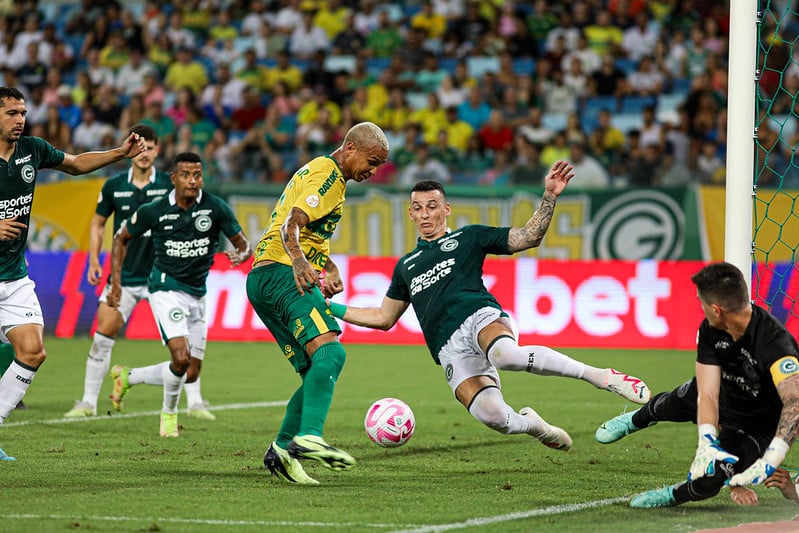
119,374
81,410
169,424
201,412
654,498
555,437
313,447
616,428
282,465
5,457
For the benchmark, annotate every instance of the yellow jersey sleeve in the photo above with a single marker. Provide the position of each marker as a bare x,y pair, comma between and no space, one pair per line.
784,368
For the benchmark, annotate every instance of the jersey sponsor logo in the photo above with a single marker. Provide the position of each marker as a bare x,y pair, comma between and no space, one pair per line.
176,314
298,328
21,160
432,276
721,345
123,194
184,249
312,201
16,207
203,223
316,257
288,351
28,173
156,192
169,216
449,245
331,179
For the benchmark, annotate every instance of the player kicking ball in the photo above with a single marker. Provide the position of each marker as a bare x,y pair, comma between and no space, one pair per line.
465,328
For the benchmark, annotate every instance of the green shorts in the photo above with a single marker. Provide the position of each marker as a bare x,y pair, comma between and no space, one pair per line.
293,319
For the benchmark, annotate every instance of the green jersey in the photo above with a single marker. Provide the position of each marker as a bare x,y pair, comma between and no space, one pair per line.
17,182
443,279
184,240
120,197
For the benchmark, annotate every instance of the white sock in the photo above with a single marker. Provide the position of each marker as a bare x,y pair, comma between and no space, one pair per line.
97,365
151,375
13,385
193,395
489,407
506,354
172,386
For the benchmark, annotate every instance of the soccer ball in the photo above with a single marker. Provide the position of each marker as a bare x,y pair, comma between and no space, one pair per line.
389,422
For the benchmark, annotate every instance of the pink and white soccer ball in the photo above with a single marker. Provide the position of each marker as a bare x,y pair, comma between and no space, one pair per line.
389,422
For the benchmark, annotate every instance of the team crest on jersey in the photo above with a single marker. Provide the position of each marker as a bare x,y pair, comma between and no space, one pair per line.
789,366
202,223
176,315
28,173
449,245
448,372
312,201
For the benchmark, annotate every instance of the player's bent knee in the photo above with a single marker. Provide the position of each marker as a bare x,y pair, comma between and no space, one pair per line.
490,410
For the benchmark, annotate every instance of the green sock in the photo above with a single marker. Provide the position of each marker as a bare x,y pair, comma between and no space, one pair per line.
6,357
291,422
319,383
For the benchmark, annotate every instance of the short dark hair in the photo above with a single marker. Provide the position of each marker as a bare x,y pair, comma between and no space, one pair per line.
10,92
187,157
722,284
429,185
145,132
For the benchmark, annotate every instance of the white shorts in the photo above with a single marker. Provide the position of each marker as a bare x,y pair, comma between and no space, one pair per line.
18,305
461,357
178,314
131,295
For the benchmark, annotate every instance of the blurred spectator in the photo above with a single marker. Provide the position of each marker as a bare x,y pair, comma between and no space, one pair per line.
98,74
590,59
179,36
696,54
405,153
576,79
609,80
639,40
283,101
132,113
715,42
431,118
472,25
54,130
555,150
495,134
449,9
308,111
308,38
541,21
428,21
115,53
130,77
527,168
245,117
97,36
474,161
429,77
645,80
448,94
186,72
522,44
394,115
367,19
163,125
589,173
37,107
269,42
32,73
222,51
558,97
499,173
106,107
555,55
574,131
218,159
179,110
88,134
349,41
159,53
255,19
565,30
651,129
316,137
603,37
645,168
131,31
709,164
67,110
253,73
533,129
675,55
332,17
288,17
385,39
606,141
423,168
475,110
222,28
458,131
444,152
283,71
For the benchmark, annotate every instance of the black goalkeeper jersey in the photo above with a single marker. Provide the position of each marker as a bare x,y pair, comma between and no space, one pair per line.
748,398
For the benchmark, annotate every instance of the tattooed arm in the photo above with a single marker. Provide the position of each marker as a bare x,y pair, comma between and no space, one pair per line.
788,426
533,232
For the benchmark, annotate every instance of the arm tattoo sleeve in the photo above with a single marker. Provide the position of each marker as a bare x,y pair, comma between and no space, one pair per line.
788,426
533,232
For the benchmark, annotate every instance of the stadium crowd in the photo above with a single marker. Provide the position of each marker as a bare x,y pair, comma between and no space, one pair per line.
491,92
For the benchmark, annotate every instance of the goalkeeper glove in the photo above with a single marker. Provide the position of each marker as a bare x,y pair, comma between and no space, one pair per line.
708,451
763,467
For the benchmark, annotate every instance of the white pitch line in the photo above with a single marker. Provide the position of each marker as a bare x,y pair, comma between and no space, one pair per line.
117,416
546,511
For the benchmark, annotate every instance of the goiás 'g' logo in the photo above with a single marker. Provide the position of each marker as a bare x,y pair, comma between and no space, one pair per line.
202,223
176,315
28,173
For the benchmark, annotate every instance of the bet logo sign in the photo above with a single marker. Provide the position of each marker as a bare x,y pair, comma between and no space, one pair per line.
639,225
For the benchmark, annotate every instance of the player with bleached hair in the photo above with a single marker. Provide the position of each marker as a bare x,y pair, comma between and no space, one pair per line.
465,328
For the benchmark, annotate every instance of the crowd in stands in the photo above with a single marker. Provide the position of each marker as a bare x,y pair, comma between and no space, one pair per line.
490,92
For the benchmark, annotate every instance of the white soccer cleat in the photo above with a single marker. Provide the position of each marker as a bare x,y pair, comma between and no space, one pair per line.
554,437
628,387
81,410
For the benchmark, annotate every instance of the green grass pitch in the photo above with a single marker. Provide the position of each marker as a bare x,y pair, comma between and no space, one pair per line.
114,473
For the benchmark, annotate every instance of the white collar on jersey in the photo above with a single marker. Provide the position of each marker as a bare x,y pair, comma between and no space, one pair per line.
173,200
152,175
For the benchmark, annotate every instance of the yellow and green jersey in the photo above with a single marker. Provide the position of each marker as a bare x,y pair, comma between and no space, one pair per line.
318,189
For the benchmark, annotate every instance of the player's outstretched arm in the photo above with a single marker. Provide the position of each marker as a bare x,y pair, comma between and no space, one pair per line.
383,317
91,161
781,479
533,232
